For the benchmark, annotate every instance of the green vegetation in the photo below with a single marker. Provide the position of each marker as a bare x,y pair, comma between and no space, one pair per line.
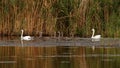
72,17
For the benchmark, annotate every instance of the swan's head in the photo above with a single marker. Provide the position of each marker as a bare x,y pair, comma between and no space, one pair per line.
21,29
58,32
93,29
41,32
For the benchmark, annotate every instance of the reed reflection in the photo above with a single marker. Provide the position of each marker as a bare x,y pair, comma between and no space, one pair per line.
58,56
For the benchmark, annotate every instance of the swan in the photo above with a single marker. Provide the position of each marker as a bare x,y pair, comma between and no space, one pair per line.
40,35
96,36
25,37
61,37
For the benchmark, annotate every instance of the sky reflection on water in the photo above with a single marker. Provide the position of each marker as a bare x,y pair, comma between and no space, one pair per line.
12,41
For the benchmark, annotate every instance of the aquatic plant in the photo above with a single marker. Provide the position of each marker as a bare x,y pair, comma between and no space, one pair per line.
72,17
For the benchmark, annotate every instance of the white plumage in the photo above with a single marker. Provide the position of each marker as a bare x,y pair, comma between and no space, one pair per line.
96,36
25,37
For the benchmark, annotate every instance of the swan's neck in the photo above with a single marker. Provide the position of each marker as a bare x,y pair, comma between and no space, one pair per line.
93,33
54,34
22,34
40,34
59,34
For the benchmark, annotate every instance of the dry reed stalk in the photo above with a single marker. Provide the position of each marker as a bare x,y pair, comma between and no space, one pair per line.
44,15
82,10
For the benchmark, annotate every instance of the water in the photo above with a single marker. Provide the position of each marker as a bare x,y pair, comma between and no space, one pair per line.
51,53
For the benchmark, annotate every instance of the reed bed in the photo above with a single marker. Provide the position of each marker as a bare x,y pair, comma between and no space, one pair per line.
71,17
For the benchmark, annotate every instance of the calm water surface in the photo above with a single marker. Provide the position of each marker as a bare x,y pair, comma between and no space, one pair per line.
77,53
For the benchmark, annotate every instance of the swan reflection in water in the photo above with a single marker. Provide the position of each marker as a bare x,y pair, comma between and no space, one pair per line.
93,40
22,43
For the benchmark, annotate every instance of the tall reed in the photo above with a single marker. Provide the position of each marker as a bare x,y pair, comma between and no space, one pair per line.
72,17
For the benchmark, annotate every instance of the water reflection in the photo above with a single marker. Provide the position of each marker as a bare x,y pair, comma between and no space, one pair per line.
22,43
95,40
53,57
60,54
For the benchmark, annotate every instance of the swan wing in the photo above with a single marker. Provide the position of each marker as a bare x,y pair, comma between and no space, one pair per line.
28,38
97,36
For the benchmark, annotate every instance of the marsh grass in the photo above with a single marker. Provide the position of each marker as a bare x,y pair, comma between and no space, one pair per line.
72,17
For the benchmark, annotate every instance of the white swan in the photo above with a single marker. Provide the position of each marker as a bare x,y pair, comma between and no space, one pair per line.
96,36
25,37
